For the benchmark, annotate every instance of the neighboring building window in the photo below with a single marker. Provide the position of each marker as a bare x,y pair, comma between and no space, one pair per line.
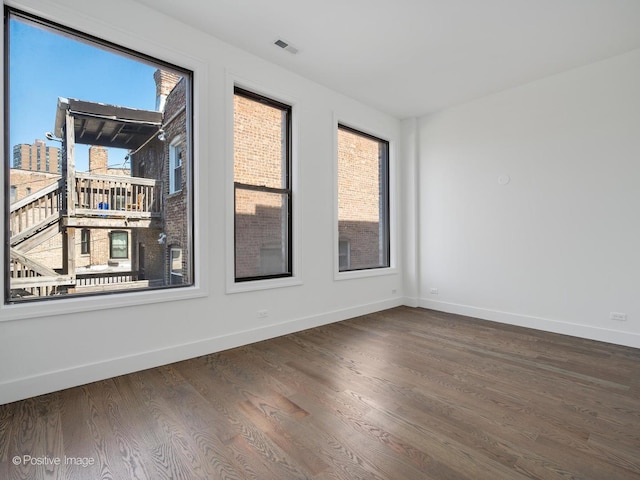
119,245
175,262
85,241
363,199
111,194
176,152
343,255
28,191
262,187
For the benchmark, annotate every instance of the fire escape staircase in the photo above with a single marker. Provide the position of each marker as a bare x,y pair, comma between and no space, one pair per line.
34,220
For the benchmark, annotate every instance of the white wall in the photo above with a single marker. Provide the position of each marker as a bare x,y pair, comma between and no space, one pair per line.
558,247
43,348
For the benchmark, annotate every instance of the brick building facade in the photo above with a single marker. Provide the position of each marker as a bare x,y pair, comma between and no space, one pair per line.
167,253
177,186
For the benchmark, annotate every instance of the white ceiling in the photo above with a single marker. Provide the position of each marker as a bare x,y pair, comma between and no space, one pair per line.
414,57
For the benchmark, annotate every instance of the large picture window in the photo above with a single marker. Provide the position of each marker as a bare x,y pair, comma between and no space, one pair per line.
363,201
97,160
262,187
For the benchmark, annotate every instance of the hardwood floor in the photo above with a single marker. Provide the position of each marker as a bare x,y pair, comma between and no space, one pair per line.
401,394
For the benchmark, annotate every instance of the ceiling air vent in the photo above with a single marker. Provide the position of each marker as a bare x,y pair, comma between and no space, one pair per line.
285,46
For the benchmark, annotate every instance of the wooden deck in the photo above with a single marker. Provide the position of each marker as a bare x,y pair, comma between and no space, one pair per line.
401,394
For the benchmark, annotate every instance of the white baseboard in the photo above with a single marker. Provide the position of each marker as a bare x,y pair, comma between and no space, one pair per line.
412,302
573,329
52,381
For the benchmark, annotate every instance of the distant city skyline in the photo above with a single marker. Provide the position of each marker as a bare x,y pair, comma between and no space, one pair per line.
45,65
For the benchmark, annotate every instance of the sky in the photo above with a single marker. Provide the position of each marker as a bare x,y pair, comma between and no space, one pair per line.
46,65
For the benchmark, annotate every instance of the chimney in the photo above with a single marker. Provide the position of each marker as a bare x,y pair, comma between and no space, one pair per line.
98,159
165,81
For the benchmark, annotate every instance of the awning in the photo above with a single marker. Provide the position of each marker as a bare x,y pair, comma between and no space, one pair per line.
107,125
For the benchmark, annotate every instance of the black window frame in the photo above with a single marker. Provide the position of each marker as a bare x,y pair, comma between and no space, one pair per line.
287,190
385,203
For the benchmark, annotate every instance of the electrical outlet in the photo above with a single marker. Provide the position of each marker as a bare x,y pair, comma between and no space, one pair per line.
434,291
394,291
618,316
263,313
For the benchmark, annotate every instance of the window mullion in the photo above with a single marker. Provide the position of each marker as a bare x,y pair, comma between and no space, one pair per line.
262,188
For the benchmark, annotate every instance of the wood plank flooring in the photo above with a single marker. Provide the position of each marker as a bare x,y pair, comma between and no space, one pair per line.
400,394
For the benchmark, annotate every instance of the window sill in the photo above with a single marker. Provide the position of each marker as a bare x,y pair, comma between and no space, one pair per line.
63,306
372,272
254,285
